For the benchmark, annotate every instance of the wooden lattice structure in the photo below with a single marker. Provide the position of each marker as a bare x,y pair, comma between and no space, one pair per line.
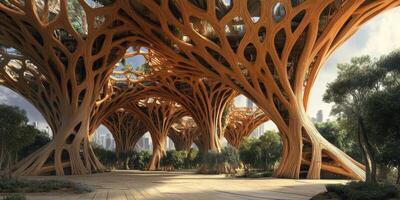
158,116
126,129
241,123
183,134
271,51
203,98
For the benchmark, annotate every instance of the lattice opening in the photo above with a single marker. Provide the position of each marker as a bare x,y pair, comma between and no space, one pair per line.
67,39
81,97
297,20
262,33
98,64
250,53
77,17
199,4
70,138
61,57
296,2
99,3
222,7
278,12
175,10
80,71
145,13
99,21
295,56
234,32
254,9
98,44
279,41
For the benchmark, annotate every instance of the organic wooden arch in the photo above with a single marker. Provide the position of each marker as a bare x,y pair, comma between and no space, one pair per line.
183,133
241,123
271,57
126,129
204,99
74,65
158,115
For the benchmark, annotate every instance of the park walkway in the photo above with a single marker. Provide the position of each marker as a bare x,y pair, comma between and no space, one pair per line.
132,185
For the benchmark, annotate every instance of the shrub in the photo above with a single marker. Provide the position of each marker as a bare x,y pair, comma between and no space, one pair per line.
106,157
192,159
225,162
14,197
139,160
13,185
364,191
174,159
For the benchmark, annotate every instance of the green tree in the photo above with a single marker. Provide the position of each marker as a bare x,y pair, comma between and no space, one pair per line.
335,134
383,113
40,139
261,152
356,82
15,134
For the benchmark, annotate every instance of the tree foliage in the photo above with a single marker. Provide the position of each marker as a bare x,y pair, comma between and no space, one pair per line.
15,134
366,96
263,152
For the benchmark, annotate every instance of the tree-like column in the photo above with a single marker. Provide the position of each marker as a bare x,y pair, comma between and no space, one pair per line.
203,98
183,133
158,115
126,129
271,51
73,48
241,123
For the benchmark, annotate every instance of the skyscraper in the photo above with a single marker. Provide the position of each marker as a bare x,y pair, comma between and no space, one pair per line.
319,117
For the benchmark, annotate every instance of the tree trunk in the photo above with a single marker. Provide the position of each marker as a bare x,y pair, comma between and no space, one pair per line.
368,152
69,152
158,152
304,148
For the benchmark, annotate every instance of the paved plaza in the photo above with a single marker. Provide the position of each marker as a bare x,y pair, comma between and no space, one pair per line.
132,185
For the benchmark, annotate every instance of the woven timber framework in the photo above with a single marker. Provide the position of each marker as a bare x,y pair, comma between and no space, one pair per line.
158,116
203,98
183,133
241,123
74,65
126,130
271,51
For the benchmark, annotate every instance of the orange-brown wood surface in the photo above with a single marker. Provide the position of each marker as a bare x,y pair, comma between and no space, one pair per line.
270,51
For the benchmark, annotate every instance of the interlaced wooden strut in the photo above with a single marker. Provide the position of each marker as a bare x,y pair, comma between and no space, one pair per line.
126,130
241,123
158,116
270,51
74,66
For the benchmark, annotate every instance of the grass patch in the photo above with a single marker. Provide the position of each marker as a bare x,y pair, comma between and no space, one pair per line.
360,191
14,197
16,185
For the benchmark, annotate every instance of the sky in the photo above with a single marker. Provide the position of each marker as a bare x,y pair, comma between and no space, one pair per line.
379,36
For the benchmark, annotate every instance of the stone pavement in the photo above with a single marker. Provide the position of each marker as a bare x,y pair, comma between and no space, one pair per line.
132,185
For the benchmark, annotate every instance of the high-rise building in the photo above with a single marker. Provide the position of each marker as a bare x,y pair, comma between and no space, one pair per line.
319,117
